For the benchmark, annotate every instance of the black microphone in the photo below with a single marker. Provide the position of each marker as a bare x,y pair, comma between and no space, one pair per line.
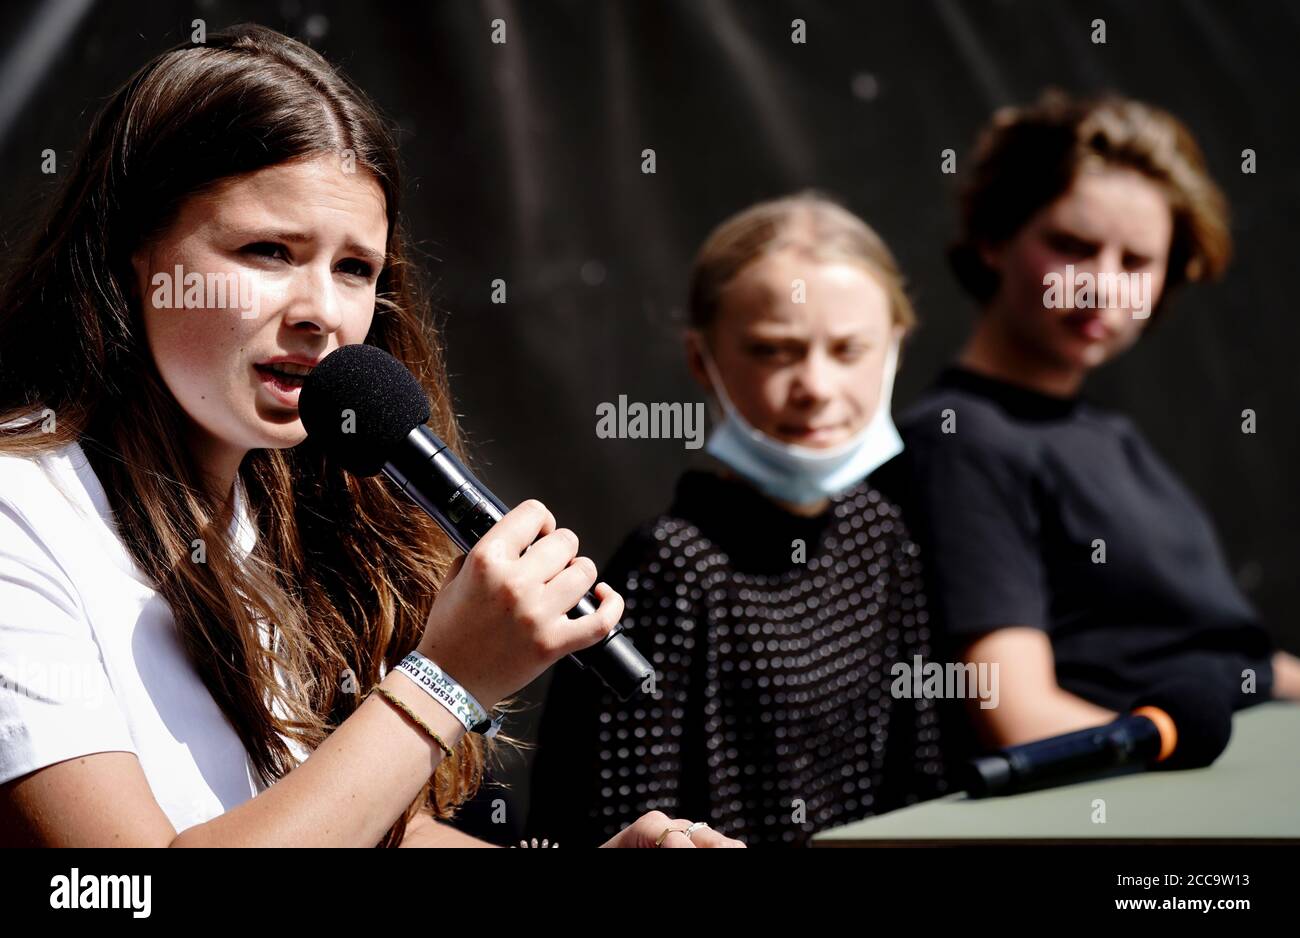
1176,726
367,411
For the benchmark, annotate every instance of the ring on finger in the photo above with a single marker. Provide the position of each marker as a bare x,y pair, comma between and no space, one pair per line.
693,828
667,831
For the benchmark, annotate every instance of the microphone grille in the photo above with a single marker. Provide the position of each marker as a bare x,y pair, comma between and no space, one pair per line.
1202,720
359,404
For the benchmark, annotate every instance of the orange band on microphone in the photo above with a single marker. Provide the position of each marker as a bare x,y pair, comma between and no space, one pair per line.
1165,726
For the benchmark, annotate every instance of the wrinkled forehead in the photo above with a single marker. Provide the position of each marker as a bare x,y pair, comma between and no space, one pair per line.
304,193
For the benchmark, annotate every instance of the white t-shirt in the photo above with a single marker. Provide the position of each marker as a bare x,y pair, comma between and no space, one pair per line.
90,658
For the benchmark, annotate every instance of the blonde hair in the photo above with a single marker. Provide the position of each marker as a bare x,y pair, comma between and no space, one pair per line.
807,221
1027,157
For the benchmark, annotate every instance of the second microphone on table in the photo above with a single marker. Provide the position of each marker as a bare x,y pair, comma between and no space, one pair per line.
1180,725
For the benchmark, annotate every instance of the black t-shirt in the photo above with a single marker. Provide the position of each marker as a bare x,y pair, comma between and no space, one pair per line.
1050,512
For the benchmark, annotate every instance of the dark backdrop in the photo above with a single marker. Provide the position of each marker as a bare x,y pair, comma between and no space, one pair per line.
524,163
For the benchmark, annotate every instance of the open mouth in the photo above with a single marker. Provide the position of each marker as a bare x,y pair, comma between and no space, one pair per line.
285,379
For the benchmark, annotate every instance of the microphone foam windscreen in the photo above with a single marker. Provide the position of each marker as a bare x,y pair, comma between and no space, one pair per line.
359,404
1202,718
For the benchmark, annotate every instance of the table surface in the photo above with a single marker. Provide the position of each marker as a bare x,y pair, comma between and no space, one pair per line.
1252,792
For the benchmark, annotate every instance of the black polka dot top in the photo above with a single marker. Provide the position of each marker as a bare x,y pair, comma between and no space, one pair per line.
773,638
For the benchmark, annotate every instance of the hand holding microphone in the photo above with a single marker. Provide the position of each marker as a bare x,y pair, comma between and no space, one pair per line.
368,413
500,619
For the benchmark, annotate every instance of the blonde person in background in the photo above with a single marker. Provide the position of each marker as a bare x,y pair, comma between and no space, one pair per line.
159,506
779,590
1014,480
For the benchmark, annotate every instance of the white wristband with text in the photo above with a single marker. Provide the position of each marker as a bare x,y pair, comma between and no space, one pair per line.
443,688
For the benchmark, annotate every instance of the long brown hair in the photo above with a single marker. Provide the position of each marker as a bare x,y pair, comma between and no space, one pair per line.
343,567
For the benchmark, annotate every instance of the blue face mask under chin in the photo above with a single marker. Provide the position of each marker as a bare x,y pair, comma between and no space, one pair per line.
803,475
